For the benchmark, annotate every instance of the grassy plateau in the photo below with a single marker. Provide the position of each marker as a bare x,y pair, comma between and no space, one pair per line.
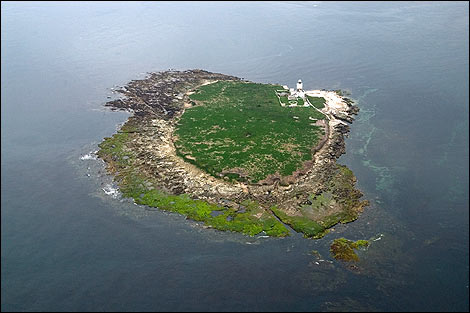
239,130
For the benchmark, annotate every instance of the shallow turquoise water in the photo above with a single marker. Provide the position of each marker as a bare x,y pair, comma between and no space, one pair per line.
66,245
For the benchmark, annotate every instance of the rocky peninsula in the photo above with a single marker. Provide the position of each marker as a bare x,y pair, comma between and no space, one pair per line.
156,161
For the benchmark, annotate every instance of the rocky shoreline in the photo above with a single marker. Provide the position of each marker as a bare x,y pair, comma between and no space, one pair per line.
311,200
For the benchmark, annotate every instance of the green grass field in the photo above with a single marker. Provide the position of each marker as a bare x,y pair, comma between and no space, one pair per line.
239,130
317,102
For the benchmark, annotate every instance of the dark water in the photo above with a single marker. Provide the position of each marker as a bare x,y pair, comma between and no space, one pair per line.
68,246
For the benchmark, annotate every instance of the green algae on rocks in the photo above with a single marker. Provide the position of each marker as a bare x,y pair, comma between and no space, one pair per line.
337,203
248,218
343,249
231,154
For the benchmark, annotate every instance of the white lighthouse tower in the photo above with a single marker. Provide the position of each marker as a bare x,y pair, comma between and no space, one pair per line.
300,91
299,85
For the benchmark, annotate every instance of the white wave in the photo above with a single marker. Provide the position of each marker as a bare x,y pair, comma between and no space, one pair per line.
90,156
111,191
378,238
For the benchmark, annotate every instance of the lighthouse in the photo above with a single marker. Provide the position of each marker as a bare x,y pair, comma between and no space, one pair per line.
299,85
300,92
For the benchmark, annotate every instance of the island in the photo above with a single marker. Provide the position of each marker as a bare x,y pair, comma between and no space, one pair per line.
237,155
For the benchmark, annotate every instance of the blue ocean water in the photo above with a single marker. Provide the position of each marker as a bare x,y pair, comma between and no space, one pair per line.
66,245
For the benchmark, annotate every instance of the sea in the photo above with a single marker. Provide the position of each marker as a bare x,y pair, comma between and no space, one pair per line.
70,242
